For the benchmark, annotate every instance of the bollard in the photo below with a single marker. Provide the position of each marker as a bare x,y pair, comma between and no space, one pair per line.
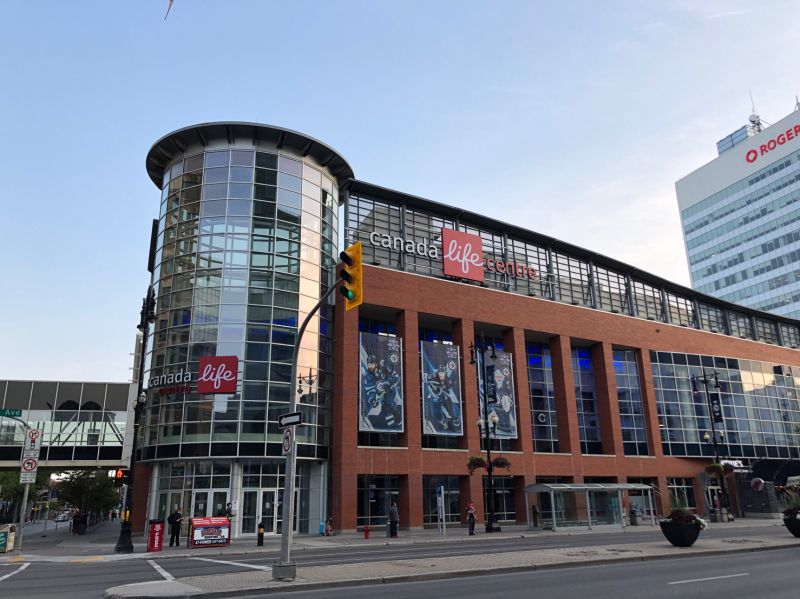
260,542
366,531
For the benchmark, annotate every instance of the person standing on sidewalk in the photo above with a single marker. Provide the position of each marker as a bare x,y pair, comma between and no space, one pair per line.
471,517
174,522
394,519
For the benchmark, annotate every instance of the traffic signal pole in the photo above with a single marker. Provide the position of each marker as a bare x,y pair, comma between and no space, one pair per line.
351,276
286,569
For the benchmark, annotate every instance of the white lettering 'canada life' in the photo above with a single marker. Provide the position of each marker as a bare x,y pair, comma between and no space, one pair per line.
462,255
217,374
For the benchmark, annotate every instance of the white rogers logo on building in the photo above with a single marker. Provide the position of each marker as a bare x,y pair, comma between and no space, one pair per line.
752,155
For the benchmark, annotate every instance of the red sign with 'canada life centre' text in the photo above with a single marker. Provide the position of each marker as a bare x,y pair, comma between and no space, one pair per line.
462,255
217,374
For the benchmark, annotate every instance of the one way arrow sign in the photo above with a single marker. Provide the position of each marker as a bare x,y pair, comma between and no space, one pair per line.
290,419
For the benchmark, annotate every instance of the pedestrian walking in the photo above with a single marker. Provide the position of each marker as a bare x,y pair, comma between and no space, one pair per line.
394,520
174,522
471,517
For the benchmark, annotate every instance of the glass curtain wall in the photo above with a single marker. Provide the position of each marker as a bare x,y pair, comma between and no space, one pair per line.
760,407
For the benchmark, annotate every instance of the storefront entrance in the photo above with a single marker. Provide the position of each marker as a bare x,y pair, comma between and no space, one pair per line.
264,506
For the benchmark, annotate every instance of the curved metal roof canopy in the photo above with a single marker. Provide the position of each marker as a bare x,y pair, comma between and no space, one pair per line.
162,152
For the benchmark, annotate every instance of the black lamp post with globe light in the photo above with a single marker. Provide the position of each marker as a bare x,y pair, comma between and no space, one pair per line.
487,425
714,404
147,316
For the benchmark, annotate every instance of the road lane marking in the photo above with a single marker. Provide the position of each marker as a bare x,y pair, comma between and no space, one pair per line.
160,570
240,564
709,578
17,571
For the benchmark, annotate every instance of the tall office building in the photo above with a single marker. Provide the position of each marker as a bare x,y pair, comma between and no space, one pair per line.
739,215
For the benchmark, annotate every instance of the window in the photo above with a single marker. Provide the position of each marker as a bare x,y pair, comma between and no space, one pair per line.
542,398
629,397
588,419
681,492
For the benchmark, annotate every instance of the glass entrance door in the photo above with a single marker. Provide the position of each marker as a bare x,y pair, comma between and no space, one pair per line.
272,510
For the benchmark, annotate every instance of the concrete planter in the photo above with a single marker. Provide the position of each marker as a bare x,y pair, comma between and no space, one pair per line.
792,525
680,534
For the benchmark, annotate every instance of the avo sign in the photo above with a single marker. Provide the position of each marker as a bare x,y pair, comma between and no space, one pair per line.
216,374
462,257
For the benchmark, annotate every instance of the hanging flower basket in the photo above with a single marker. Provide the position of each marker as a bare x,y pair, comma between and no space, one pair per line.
501,462
475,463
719,469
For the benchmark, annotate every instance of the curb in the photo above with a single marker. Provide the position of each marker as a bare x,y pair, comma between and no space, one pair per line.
278,587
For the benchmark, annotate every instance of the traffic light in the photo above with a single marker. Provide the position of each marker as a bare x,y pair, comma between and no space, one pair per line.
121,476
351,276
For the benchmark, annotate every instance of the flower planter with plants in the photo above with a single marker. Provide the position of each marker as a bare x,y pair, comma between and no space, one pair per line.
791,517
479,463
681,527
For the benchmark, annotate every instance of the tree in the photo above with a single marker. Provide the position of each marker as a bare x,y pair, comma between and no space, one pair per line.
91,491
11,490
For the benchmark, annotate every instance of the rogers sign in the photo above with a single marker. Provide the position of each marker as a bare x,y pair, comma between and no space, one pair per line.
752,155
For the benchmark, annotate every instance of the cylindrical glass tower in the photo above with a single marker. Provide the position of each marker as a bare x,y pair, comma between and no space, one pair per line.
247,244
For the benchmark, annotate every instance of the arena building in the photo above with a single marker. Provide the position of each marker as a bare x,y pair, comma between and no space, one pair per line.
599,378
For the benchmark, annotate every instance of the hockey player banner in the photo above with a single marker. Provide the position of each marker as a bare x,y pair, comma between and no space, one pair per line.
500,378
381,389
441,389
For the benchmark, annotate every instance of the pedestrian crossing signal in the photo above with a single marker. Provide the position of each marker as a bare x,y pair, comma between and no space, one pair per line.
121,476
351,276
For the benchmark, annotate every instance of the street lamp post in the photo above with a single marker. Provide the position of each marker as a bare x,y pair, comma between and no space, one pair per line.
487,425
147,316
714,415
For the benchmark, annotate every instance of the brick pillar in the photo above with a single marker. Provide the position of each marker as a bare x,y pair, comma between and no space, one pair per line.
564,386
410,505
605,389
344,418
141,490
471,486
514,342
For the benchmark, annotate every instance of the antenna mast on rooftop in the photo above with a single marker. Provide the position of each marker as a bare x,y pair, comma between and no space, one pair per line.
755,120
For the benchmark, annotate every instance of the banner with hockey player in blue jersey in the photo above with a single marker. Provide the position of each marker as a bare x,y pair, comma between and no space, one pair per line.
381,389
441,389
501,403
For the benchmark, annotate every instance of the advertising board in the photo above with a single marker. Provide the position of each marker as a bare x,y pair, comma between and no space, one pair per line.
210,532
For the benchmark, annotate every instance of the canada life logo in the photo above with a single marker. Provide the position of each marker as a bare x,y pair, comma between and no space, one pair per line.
462,255
217,374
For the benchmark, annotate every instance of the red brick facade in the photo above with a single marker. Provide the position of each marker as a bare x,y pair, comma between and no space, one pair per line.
409,298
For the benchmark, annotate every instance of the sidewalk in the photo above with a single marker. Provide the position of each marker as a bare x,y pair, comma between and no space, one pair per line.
381,572
98,544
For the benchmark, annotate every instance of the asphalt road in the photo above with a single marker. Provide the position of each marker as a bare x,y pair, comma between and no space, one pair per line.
731,576
89,577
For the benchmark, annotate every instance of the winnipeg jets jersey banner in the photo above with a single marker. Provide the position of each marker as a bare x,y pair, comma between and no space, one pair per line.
381,389
441,389
500,378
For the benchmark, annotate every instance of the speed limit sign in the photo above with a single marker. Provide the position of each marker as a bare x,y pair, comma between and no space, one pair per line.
288,440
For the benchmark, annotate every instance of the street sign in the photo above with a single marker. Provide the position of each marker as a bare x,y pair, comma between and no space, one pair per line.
10,413
290,419
288,440
33,441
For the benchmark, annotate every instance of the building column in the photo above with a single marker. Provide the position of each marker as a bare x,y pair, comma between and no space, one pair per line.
514,342
564,387
471,486
410,506
344,421
607,402
140,491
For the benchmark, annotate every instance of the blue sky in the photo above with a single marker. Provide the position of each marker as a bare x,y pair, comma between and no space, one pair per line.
573,119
